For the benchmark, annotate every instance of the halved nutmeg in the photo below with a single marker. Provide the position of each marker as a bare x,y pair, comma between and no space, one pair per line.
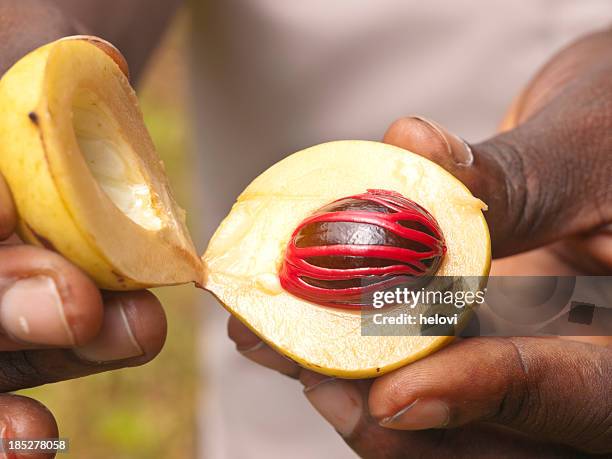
358,245
307,234
87,183
83,170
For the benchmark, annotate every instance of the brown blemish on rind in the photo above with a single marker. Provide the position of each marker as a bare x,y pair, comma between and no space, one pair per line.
118,276
33,117
107,47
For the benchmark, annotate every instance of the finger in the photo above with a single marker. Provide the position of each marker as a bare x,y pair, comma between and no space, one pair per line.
241,335
344,404
133,332
591,253
254,349
483,174
8,213
536,187
573,61
553,389
341,402
251,347
45,300
24,418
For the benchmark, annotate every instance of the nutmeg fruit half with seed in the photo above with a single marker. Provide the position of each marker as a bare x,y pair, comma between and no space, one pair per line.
312,238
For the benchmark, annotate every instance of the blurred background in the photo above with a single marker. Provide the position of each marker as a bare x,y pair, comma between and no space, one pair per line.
146,412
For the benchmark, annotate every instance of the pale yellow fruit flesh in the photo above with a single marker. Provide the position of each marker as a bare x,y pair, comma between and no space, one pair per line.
83,170
112,163
244,255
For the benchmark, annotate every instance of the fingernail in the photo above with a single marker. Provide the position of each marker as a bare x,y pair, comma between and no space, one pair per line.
338,401
116,340
264,355
419,415
457,148
32,311
250,348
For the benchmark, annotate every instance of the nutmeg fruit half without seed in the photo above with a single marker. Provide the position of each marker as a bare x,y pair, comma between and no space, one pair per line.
83,171
311,237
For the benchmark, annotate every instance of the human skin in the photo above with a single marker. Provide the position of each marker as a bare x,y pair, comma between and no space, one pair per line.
546,179
54,322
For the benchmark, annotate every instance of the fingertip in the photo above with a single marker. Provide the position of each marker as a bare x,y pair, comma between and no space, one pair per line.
398,131
83,305
445,374
46,300
339,401
386,396
25,418
241,335
427,138
467,376
310,379
81,299
147,321
253,348
490,170
417,135
133,330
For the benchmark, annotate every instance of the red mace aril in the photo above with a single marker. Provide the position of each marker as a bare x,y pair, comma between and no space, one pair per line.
358,245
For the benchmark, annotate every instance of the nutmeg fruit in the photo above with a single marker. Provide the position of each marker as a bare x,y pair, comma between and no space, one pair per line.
320,208
83,171
299,254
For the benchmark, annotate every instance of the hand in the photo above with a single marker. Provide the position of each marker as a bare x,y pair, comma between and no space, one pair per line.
546,178
547,183
478,398
56,325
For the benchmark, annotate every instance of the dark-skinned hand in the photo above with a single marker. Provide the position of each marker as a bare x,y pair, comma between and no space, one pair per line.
547,181
54,322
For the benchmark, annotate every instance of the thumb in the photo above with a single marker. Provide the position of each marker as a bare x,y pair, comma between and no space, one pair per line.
344,404
550,389
532,190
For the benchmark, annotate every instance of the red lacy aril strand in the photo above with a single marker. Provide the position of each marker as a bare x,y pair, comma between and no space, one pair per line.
357,245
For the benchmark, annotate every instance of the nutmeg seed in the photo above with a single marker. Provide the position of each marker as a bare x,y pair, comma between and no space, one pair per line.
360,244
